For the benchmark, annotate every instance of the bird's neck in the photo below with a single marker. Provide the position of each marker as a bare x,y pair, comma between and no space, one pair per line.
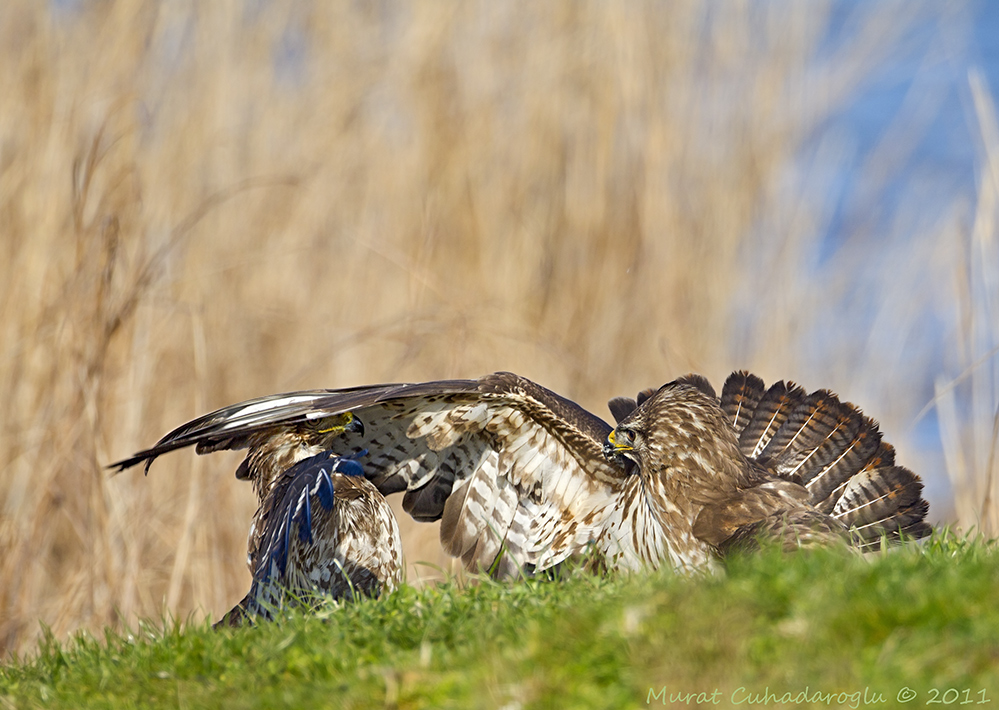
269,458
648,529
676,491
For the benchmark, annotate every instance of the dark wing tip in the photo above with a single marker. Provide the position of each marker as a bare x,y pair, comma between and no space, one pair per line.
123,465
143,456
644,395
621,407
698,381
231,427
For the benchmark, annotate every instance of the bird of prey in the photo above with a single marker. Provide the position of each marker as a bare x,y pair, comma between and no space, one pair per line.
320,527
324,529
523,479
774,463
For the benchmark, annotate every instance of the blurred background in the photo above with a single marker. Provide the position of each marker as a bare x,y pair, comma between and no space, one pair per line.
206,202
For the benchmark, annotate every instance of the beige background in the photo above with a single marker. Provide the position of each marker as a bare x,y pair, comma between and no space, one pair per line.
206,202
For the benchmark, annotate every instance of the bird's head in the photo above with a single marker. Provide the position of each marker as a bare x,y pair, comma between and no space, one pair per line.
675,422
329,428
620,445
644,428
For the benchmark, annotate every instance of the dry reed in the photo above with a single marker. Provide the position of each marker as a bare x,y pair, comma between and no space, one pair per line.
208,202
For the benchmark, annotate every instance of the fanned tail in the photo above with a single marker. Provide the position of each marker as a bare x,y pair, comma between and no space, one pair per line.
832,449
883,501
773,409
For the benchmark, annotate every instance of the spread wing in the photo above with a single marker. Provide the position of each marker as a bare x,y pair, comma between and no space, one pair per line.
232,427
514,472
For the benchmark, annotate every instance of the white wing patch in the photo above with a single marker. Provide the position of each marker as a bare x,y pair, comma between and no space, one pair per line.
511,496
261,411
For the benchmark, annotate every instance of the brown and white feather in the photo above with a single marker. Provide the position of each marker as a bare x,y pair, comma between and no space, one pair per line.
518,476
799,468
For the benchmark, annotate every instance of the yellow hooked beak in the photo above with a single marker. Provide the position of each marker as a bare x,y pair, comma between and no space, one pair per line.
618,445
618,448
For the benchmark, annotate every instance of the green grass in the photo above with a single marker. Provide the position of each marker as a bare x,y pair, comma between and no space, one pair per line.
923,618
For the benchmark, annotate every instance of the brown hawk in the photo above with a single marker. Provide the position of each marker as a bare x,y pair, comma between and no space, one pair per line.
773,463
519,478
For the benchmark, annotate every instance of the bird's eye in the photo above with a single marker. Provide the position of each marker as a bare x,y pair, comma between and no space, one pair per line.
626,436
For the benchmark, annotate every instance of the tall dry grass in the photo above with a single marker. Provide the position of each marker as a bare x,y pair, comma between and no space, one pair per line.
203,203
970,433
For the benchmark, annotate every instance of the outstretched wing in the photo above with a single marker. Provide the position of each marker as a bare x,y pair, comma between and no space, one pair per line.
514,471
231,427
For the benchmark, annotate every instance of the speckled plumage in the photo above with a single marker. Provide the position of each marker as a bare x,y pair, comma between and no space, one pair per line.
514,472
775,463
519,478
320,526
325,529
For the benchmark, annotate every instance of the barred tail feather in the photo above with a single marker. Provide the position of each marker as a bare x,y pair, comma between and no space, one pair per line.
883,502
826,488
832,449
815,420
770,414
822,443
825,482
740,397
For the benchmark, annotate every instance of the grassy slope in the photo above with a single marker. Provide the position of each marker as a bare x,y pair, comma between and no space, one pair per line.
921,618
